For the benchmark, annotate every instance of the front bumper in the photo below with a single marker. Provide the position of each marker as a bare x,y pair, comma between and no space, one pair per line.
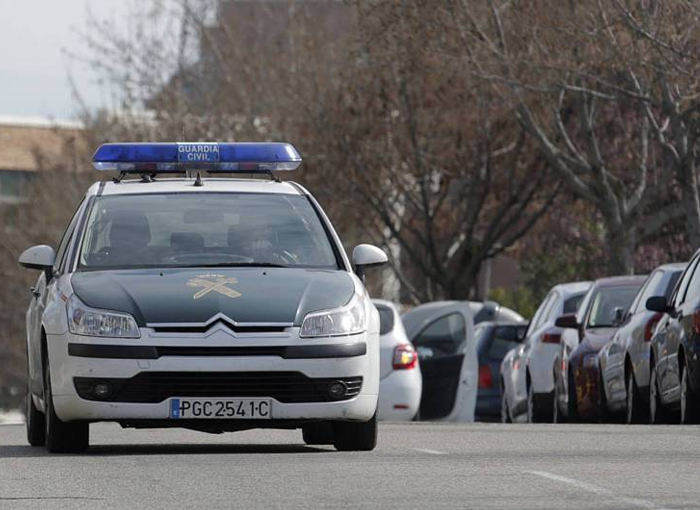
219,352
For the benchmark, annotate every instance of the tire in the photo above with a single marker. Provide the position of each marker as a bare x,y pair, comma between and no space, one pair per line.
636,410
571,404
689,401
658,414
35,422
62,437
505,411
557,417
320,433
351,436
604,414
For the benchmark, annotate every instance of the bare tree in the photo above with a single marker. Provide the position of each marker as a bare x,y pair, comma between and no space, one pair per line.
569,87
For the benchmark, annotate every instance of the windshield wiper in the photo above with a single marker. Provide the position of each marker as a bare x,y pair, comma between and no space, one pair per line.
242,264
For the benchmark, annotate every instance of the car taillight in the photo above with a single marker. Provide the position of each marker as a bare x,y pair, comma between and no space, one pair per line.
485,379
405,357
550,338
652,323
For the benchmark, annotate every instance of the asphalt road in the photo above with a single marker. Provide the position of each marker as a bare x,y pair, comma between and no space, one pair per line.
437,466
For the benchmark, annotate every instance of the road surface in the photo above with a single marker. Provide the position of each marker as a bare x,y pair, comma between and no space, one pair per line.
437,466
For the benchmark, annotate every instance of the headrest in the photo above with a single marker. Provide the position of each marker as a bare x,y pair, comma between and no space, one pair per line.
130,228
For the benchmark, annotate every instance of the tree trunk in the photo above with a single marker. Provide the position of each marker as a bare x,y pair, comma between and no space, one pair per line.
621,241
688,181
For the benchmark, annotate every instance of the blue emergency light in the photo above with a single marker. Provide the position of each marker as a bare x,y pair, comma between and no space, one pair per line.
207,156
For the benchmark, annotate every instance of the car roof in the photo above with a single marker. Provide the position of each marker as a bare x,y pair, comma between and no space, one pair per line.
673,266
184,185
614,281
568,289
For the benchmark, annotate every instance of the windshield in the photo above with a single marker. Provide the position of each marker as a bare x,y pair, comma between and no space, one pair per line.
605,302
205,230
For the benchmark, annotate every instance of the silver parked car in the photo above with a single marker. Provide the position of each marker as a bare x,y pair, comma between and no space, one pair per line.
624,362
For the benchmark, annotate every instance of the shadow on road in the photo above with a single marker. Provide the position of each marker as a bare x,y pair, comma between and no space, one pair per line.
17,451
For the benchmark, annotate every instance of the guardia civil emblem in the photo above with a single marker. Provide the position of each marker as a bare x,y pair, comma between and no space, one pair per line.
214,283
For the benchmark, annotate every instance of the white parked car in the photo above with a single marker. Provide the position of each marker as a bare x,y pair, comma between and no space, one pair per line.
526,372
400,382
443,335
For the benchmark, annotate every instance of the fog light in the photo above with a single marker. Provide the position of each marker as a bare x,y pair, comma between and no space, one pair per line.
337,389
102,390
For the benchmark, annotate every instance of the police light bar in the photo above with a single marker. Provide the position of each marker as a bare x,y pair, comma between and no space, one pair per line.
208,156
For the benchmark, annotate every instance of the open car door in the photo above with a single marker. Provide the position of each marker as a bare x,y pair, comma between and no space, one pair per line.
443,335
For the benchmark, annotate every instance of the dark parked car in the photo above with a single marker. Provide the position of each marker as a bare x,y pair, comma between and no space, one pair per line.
675,368
624,362
493,341
576,394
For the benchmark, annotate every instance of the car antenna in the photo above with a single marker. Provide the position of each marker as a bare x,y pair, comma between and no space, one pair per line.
198,181
273,176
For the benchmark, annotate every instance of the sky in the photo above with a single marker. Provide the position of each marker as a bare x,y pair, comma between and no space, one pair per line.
33,66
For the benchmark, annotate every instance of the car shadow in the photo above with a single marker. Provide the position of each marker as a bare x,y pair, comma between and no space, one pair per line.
20,451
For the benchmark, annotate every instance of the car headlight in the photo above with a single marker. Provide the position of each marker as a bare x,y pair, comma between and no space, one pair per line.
83,320
590,361
348,320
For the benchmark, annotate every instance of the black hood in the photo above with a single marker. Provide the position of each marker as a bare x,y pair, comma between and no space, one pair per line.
251,295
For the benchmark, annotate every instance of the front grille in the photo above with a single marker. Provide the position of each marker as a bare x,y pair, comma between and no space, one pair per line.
154,387
234,328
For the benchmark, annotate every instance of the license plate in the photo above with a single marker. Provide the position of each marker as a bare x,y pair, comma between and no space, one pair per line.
220,408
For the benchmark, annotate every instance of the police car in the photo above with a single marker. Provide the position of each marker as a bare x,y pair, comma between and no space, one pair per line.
213,304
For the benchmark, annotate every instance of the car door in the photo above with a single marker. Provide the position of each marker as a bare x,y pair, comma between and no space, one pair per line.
444,340
667,371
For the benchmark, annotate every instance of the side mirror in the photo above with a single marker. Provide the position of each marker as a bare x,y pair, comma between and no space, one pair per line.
567,321
658,304
39,257
367,255
617,316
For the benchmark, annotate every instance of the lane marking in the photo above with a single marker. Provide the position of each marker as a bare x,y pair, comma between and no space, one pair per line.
431,452
601,491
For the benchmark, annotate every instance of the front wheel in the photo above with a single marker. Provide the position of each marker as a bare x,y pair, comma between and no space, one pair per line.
35,422
62,437
658,414
689,401
604,414
505,412
318,433
351,436
637,412
557,417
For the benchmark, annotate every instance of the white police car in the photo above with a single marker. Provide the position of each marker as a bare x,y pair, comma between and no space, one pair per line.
209,304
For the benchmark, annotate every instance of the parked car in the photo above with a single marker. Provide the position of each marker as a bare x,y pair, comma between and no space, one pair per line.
624,362
493,341
531,392
512,378
576,394
674,367
443,334
400,382
490,311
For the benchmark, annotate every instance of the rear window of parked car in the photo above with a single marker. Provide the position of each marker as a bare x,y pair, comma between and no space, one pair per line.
505,339
606,300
